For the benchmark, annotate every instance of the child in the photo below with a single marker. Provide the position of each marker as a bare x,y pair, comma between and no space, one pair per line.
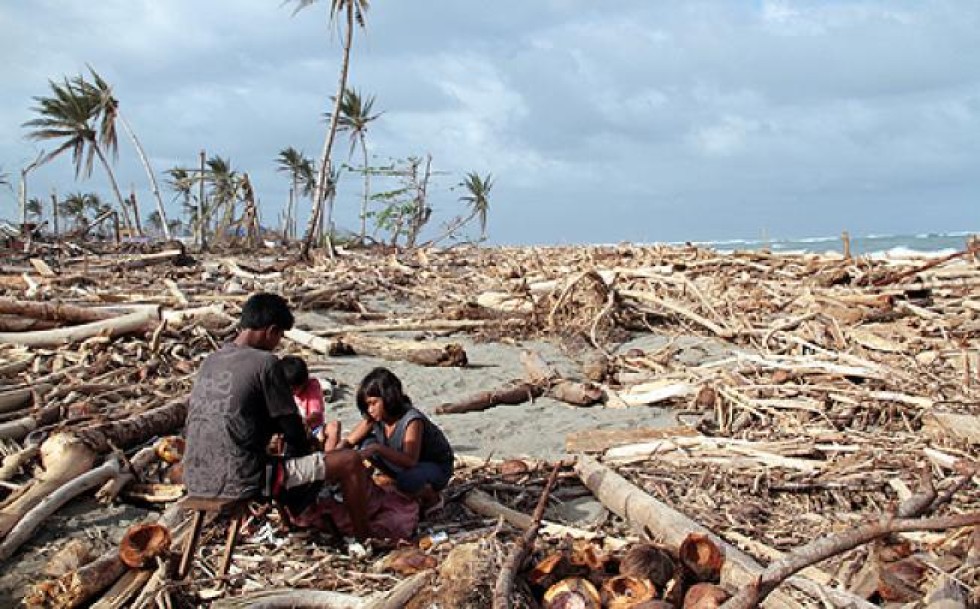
400,440
308,395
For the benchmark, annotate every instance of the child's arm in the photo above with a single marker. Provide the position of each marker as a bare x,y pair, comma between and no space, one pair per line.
358,435
412,445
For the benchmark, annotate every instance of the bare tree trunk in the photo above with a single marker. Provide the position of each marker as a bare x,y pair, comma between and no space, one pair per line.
319,189
367,190
54,212
137,221
149,173
115,186
202,226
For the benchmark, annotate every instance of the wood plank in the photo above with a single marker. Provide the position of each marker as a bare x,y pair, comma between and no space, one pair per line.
941,425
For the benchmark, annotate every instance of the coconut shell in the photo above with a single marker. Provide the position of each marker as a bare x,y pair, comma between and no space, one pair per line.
705,596
701,557
572,593
544,568
171,449
408,561
585,553
142,543
646,561
625,592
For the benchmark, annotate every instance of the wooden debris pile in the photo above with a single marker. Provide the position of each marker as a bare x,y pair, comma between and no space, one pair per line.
833,382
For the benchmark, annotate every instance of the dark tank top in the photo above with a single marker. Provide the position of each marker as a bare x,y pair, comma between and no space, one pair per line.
435,447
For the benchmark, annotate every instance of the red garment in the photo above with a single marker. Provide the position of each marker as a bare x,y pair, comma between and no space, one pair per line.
309,400
391,515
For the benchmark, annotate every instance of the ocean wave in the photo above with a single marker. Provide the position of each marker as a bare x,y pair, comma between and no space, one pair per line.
902,252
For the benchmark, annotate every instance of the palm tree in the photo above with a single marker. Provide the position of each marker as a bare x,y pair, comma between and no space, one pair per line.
355,114
478,191
293,161
75,206
108,114
223,193
66,115
353,11
33,210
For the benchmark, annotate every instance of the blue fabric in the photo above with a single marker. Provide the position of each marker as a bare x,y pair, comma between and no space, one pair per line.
425,472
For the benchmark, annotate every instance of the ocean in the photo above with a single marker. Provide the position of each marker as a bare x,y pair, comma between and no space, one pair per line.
927,244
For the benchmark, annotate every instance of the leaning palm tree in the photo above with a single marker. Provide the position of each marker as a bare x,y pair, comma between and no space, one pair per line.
353,11
67,116
108,114
355,114
477,196
75,207
223,193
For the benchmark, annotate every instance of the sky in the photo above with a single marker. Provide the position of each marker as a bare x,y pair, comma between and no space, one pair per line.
600,122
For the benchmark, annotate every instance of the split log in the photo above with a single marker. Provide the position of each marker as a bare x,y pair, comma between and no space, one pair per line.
139,321
50,504
511,394
658,520
504,586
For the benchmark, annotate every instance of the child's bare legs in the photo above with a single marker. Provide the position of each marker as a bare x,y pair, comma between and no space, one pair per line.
330,435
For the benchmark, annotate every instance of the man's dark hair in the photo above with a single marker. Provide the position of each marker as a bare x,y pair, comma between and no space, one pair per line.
382,383
264,310
297,374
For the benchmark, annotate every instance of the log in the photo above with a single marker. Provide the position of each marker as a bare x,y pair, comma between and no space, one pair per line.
658,520
129,323
18,428
422,353
511,394
13,462
50,504
504,586
55,311
539,372
290,598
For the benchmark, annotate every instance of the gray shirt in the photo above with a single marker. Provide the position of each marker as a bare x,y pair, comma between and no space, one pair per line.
435,447
240,399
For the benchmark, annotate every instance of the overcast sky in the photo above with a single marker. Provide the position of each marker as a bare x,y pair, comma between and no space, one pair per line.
600,121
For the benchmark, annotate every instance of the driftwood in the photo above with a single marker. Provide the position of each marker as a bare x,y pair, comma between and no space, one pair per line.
129,323
54,311
600,440
140,461
424,354
508,571
755,592
658,520
576,393
517,393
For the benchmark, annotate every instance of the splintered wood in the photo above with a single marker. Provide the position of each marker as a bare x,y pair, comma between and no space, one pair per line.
833,393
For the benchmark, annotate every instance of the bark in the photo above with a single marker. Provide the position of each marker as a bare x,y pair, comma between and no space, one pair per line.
511,394
658,520
135,429
140,321
539,372
18,429
149,172
505,580
115,186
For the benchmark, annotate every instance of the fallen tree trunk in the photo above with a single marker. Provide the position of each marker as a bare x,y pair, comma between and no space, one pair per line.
139,321
140,461
658,520
539,372
512,394
50,504
17,429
